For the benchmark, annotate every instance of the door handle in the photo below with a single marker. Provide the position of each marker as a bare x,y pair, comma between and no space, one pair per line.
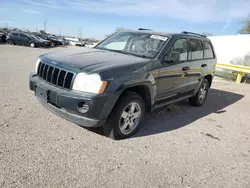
203,65
185,68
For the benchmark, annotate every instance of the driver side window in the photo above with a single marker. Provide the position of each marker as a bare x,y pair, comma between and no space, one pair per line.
180,46
24,36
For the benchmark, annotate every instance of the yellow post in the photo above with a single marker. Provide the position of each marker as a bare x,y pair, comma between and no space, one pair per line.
239,77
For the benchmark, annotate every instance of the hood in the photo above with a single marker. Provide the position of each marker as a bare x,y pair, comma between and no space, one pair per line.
43,40
92,60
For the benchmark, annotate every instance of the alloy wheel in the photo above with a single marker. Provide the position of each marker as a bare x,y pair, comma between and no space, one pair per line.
130,118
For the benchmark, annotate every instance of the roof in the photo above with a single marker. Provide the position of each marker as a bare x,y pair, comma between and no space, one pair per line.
185,33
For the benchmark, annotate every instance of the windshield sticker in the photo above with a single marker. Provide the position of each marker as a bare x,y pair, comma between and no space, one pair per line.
159,37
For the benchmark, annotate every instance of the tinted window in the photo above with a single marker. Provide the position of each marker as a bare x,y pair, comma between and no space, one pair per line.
24,36
14,34
180,46
195,49
208,51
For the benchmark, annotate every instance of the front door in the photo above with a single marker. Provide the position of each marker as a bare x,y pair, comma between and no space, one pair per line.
24,39
171,80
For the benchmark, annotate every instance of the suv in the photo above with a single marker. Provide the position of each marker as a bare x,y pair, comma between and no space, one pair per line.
22,38
131,72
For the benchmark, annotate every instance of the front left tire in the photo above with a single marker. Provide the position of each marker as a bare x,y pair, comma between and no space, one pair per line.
125,118
53,44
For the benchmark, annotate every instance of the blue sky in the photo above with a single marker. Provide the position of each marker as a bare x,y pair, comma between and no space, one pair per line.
96,18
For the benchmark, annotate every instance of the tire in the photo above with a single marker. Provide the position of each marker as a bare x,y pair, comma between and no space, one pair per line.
124,120
32,45
10,42
201,95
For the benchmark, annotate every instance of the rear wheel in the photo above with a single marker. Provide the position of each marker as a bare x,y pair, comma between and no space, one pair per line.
201,95
10,42
125,117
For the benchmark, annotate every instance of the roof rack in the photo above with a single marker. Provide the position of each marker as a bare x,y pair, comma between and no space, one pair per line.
144,29
191,33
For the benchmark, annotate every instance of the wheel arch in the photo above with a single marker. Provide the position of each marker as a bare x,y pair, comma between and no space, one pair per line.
144,90
209,77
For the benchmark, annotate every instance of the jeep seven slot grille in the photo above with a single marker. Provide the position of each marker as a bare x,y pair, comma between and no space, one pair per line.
55,75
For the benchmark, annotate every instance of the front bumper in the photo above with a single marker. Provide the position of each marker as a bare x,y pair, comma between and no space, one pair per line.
64,103
44,44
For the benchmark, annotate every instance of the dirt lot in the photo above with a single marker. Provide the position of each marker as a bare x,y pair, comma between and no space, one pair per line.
182,147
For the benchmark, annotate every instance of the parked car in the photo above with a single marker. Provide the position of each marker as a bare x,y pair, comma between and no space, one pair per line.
54,41
3,36
132,72
21,38
82,44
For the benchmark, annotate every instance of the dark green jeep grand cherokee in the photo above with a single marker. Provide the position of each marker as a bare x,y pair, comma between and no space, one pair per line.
114,83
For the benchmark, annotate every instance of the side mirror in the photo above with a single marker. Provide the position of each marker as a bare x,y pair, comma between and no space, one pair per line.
172,57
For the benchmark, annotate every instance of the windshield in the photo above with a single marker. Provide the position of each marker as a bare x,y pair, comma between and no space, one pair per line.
139,44
35,37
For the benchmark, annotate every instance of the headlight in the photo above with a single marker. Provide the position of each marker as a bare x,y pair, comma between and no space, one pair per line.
90,83
37,64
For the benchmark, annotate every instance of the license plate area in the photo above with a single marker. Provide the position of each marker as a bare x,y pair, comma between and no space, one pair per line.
46,95
42,94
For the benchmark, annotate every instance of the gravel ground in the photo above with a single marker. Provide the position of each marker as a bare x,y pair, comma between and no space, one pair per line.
181,147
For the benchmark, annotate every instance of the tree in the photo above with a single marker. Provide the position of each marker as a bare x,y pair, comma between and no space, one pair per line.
43,32
5,29
246,28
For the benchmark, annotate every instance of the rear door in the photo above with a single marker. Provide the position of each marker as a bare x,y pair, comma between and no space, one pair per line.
15,38
209,58
196,61
171,80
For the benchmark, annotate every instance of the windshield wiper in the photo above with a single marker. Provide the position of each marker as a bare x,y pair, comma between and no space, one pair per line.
123,52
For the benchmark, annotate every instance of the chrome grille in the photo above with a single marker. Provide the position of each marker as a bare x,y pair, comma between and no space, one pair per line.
55,75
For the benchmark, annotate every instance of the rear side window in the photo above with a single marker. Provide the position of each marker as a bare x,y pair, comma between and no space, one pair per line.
208,50
14,34
195,49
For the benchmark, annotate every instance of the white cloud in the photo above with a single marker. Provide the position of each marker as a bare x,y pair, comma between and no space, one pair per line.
192,10
30,11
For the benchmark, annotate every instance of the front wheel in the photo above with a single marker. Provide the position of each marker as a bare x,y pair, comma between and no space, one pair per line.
125,117
32,45
201,95
53,44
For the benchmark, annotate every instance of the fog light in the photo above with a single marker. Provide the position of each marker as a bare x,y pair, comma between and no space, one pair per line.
83,107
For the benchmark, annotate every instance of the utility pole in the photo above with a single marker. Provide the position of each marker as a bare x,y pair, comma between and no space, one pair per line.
6,25
45,26
80,33
60,33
